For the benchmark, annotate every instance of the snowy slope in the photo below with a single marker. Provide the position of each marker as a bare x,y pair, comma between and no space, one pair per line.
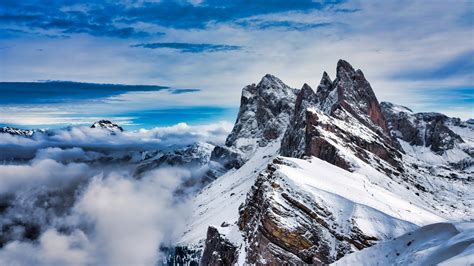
310,211
218,203
357,189
441,243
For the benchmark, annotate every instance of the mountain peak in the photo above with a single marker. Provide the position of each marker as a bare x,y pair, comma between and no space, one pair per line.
265,111
352,92
326,78
270,81
106,124
344,67
17,131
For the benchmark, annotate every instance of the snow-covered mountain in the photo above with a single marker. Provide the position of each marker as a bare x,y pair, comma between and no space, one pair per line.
306,176
17,131
106,124
316,175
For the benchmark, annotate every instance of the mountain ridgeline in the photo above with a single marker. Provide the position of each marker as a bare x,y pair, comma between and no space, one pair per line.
286,139
306,176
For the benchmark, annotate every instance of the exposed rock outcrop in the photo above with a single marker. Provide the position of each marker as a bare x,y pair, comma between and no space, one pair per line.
295,211
218,251
325,120
265,111
352,92
283,225
422,129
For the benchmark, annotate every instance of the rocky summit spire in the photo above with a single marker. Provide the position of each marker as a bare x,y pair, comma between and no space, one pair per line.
324,88
351,92
336,107
344,68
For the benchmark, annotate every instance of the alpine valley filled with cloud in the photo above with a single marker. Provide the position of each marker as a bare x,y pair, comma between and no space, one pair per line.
150,132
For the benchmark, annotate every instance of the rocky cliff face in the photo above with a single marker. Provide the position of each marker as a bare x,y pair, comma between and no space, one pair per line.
344,113
423,129
265,109
352,92
218,251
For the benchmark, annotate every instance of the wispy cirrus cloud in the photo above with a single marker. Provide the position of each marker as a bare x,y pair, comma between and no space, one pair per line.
69,22
189,47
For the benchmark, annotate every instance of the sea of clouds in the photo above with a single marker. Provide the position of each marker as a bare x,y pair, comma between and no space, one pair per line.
69,197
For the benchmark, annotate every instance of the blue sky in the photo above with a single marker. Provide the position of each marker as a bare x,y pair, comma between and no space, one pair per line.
201,53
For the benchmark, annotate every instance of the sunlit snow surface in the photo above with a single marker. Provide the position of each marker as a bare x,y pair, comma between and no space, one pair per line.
441,243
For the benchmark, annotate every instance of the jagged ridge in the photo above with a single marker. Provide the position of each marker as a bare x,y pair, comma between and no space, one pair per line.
343,124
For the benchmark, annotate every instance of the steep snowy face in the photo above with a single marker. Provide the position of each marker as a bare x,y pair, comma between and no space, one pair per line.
106,124
265,111
17,131
310,212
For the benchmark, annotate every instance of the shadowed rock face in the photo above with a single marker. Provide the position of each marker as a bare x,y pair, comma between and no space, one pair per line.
218,251
422,129
347,100
294,141
343,124
352,92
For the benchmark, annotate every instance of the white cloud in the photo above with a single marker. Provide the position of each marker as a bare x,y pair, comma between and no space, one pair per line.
114,219
53,249
84,137
132,218
45,172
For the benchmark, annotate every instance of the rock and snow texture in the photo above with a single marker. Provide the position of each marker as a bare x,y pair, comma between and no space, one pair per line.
305,177
17,131
359,175
265,110
431,130
352,92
